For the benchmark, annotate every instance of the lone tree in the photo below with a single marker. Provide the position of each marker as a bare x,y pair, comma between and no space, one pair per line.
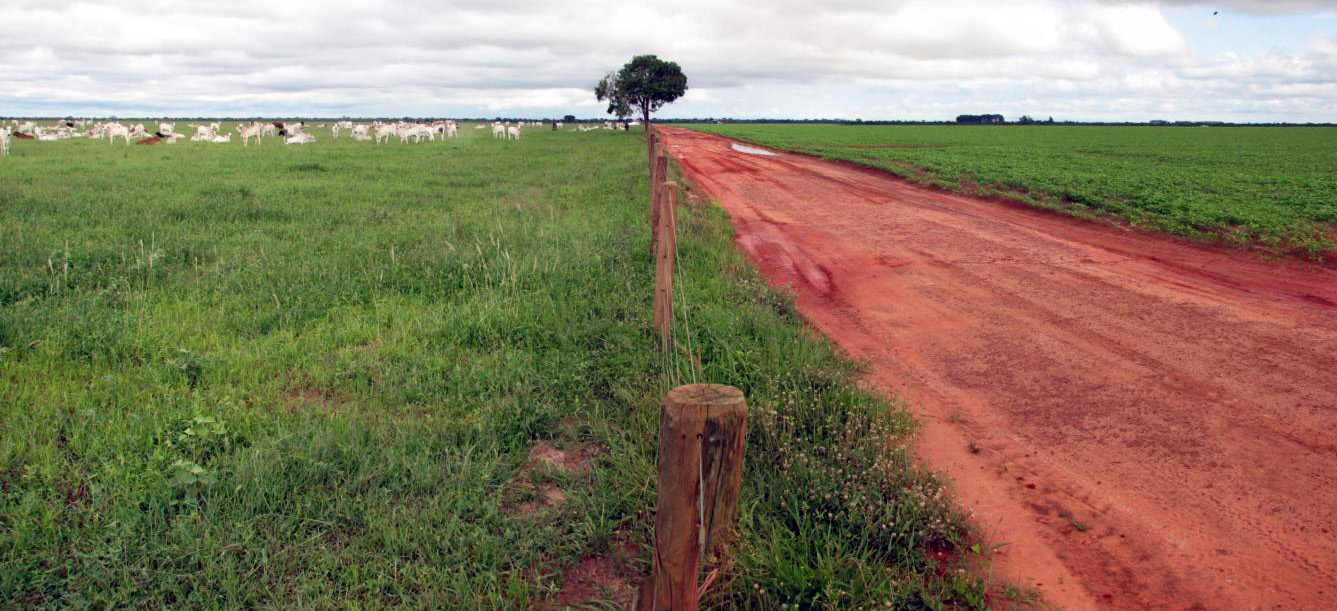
646,83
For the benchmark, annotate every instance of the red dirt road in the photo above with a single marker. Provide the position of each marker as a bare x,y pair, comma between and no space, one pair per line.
1156,421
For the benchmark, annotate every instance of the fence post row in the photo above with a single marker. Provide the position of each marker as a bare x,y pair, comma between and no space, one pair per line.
702,437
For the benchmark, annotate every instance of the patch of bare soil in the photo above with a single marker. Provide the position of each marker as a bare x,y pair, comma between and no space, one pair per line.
305,397
528,495
1147,424
598,579
595,579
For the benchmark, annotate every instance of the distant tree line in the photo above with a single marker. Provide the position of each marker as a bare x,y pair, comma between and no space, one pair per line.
980,119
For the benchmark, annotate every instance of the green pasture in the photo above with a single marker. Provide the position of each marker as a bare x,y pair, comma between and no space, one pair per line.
1274,187
310,377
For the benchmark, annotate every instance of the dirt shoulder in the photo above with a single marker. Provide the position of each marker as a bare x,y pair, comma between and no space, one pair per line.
1146,423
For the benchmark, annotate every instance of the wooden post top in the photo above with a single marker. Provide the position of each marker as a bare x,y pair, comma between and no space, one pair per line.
710,395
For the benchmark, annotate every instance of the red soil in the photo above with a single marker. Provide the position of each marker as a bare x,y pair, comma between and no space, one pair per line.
1156,422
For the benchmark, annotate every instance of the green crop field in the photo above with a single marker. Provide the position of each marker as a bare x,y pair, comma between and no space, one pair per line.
1274,187
311,377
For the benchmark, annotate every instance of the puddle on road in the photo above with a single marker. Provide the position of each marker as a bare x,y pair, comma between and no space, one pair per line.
752,150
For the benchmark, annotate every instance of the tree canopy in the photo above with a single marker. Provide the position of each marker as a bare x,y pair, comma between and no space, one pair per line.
646,83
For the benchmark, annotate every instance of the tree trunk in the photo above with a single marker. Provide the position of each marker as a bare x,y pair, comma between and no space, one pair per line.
645,117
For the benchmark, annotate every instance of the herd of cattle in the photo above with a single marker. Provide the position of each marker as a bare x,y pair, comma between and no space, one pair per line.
294,132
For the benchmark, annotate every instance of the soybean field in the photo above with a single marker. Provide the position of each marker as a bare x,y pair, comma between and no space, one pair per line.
1270,187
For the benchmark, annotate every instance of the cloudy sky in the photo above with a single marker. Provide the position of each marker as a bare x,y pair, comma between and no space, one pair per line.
1230,60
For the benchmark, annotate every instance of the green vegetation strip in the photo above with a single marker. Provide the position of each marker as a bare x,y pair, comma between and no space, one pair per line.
311,377
1274,187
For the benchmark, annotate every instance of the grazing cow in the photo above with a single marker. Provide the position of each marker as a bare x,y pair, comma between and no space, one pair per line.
415,133
341,125
250,131
513,132
299,139
116,130
359,133
384,132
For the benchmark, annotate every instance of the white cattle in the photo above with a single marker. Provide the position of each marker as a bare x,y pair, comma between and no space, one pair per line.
250,131
339,126
359,133
498,130
415,133
299,139
4,142
116,130
452,130
166,128
513,132
223,138
383,132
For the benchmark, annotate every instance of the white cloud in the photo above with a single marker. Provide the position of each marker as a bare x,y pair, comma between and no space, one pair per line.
914,59
1138,30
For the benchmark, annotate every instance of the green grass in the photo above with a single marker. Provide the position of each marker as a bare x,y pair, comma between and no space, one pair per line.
308,378
1272,187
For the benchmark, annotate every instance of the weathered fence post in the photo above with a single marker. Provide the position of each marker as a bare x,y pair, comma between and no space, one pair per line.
658,172
702,430
650,138
665,252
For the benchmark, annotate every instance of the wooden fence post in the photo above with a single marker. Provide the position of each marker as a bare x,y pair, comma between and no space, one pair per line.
665,253
658,173
702,430
656,212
